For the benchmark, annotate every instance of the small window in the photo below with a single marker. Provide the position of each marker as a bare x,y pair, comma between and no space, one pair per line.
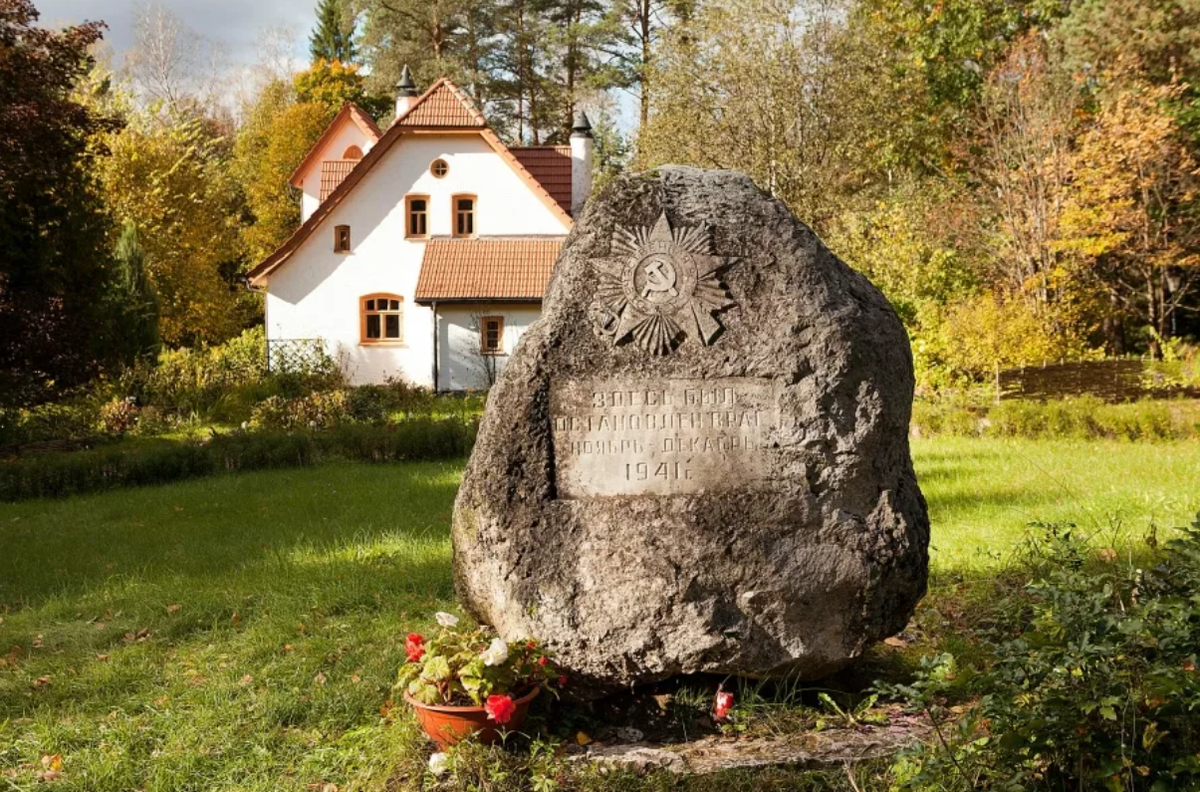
352,153
439,168
382,318
464,215
417,216
491,335
341,239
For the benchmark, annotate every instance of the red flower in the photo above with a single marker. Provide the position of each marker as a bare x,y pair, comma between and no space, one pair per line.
722,704
499,708
414,647
562,680
543,660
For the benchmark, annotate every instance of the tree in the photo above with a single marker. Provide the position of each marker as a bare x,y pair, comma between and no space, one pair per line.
763,87
54,260
331,84
636,30
333,39
174,182
134,302
1129,218
166,55
269,147
1026,135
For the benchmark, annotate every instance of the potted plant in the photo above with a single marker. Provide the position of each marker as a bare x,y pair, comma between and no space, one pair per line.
464,682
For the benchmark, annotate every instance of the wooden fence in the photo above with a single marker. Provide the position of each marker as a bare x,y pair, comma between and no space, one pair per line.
1112,380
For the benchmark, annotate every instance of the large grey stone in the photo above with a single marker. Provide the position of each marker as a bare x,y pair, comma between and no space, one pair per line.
697,460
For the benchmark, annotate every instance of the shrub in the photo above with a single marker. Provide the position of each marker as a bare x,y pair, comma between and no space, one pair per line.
74,420
126,464
1093,681
118,416
1084,417
321,410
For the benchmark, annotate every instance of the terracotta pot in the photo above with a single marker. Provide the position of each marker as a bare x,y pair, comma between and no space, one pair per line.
447,725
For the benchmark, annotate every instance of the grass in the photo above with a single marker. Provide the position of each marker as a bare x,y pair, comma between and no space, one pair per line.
241,632
983,494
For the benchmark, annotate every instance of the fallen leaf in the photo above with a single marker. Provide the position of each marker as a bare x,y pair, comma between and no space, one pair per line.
52,761
582,739
287,648
355,678
896,642
103,658
41,681
37,642
162,701
246,681
173,608
237,619
319,678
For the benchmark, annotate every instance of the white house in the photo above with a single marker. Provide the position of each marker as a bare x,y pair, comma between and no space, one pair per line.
424,251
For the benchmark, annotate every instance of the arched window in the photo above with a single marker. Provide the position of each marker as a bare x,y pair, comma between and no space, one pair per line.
352,153
382,318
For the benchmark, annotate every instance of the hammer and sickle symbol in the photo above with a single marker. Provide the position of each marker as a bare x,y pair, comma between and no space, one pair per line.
659,279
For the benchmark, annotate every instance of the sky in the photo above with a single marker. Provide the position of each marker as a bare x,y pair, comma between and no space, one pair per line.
237,24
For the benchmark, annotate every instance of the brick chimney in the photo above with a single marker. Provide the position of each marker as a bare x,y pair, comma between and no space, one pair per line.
582,146
406,92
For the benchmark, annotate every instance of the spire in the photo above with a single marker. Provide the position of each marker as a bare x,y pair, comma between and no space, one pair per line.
406,86
581,127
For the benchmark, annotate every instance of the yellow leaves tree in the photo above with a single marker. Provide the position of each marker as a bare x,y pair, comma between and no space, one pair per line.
1128,218
170,180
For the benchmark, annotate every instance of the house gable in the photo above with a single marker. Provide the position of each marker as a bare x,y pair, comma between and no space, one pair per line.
433,114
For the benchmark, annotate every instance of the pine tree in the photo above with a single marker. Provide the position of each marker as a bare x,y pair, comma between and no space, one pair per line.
134,297
333,40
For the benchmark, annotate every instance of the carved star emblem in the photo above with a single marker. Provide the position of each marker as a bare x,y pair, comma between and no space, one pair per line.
659,286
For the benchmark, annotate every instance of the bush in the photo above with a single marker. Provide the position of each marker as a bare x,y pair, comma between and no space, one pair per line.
118,416
126,464
1093,681
74,420
1080,418
321,410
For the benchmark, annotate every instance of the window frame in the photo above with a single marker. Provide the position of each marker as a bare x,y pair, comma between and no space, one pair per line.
337,239
454,199
363,313
483,335
408,214
433,168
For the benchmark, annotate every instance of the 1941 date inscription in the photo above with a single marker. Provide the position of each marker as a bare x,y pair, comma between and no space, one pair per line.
660,436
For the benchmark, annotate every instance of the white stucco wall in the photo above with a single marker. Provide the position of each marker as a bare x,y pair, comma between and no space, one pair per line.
348,134
315,293
460,365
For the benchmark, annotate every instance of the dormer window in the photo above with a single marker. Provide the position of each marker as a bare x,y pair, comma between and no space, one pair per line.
464,215
416,212
352,153
341,239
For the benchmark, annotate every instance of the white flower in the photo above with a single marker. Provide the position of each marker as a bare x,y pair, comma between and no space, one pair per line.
446,619
496,653
438,764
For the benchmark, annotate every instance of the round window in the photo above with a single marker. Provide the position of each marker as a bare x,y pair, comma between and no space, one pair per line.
439,168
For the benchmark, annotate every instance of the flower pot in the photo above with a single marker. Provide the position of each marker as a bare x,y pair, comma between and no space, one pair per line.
447,725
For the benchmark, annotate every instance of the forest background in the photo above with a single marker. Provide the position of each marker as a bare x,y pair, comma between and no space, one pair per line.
1019,177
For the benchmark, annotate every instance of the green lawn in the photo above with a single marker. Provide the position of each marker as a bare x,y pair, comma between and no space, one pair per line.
241,632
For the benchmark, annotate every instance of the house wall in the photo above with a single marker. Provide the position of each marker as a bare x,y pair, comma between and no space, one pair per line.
460,364
315,294
346,136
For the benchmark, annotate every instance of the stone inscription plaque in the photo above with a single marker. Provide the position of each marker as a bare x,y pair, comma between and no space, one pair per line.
625,437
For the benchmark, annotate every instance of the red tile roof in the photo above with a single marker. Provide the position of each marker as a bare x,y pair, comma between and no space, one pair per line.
332,174
551,166
443,105
487,269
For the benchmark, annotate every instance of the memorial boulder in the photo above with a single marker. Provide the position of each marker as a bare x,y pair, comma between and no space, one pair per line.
697,460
